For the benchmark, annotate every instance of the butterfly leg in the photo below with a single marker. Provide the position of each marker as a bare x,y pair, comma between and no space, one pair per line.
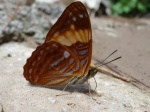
63,89
95,83
89,88
69,83
90,94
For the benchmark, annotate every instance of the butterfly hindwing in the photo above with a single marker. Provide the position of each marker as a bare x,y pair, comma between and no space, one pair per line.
66,52
53,62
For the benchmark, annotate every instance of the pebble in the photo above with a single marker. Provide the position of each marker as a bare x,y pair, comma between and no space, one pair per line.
64,109
52,100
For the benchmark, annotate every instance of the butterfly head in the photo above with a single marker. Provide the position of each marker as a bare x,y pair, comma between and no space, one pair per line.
92,72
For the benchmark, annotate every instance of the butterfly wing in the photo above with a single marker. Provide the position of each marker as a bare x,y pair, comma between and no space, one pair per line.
66,52
74,17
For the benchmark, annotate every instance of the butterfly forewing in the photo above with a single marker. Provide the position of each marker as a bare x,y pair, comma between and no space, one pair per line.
74,21
66,52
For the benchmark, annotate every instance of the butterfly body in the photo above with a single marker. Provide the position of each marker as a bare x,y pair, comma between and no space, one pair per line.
80,80
65,56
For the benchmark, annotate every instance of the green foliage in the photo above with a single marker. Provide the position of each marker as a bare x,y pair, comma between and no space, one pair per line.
130,8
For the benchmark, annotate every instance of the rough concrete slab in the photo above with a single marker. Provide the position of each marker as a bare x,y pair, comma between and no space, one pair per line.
17,95
131,39
1,108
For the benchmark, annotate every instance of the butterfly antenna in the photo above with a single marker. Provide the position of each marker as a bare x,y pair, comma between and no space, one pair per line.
110,61
106,58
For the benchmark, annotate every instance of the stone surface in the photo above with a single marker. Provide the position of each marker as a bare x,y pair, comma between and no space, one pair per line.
1,108
16,94
131,39
19,22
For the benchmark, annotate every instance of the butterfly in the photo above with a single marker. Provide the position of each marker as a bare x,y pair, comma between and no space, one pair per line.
65,56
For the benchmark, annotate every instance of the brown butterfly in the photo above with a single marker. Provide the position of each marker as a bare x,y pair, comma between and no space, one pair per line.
65,56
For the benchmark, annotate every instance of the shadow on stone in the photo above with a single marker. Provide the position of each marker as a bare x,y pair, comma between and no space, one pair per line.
81,88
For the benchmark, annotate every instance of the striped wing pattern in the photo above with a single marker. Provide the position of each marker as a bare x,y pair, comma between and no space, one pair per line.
66,52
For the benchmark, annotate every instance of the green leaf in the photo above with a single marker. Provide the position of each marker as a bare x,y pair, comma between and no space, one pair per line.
117,8
126,9
132,3
141,7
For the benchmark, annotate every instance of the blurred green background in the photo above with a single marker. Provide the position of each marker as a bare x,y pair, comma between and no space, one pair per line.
130,8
